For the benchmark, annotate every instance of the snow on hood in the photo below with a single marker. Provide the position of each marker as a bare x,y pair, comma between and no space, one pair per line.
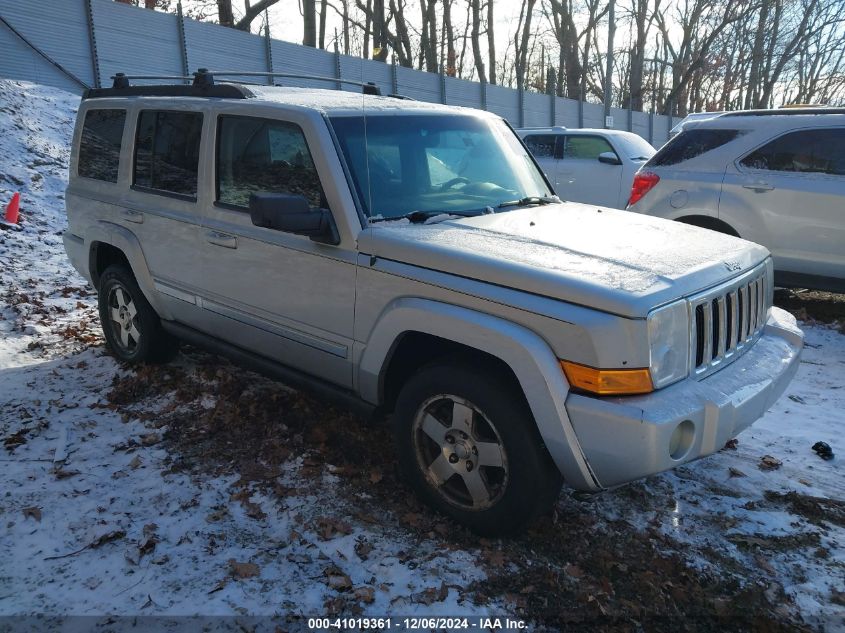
616,261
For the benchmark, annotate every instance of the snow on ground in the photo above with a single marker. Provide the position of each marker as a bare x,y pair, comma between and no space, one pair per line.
132,491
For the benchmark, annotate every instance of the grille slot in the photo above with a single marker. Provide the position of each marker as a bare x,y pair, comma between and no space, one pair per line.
727,320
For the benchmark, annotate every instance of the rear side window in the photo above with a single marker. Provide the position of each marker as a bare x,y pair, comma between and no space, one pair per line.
542,145
691,144
167,148
585,147
99,149
819,151
264,155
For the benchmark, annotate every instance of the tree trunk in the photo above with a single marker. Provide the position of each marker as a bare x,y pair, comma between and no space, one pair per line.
476,40
323,7
491,42
309,23
451,70
224,13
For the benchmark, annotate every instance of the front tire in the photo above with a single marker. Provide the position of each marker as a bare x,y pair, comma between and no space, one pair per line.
469,447
132,328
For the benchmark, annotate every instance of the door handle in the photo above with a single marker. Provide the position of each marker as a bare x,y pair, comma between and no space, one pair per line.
222,239
133,216
759,186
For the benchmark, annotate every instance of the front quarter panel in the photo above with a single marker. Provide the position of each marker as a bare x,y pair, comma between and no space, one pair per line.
530,358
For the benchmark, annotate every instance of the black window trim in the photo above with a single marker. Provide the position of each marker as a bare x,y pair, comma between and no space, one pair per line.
116,181
750,170
217,136
164,192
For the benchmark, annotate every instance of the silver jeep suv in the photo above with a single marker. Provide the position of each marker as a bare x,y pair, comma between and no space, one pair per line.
410,258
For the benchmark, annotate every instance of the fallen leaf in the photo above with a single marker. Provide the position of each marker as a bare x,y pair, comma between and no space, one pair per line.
731,444
108,537
135,463
328,528
34,512
363,549
243,570
339,581
767,462
61,473
366,595
220,585
149,439
574,571
376,477
495,558
736,472
147,547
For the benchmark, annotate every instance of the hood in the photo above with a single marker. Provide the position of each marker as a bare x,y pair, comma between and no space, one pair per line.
615,261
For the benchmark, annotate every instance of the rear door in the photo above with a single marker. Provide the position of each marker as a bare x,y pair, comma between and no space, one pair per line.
163,207
582,177
796,184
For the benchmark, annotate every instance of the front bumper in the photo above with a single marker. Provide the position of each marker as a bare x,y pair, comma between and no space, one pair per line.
628,438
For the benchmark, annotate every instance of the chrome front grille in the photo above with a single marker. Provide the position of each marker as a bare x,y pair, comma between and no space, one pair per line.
728,319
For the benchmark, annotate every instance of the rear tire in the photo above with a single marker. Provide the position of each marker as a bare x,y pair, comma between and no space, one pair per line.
132,328
468,446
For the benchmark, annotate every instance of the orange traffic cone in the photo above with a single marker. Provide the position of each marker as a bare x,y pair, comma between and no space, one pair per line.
12,209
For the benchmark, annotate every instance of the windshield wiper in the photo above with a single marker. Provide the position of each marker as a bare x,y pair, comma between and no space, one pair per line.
528,200
418,217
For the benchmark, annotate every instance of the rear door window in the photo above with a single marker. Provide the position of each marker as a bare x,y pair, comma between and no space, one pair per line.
167,148
817,151
543,145
691,144
264,155
585,147
99,148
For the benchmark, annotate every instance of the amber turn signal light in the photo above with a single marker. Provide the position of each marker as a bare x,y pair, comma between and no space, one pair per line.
607,382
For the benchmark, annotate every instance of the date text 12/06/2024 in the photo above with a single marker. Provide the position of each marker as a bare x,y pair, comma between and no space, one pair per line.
482,623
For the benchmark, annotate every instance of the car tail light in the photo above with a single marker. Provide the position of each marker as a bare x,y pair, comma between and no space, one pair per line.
643,182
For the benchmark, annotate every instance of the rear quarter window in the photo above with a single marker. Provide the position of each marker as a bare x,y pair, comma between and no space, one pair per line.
99,147
691,144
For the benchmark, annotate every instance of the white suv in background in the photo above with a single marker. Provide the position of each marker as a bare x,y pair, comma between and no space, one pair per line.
776,177
593,166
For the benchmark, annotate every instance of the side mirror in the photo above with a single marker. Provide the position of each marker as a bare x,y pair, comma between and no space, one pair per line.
609,158
292,214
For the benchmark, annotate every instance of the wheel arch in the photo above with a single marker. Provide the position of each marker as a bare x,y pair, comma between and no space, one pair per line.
709,222
110,244
510,347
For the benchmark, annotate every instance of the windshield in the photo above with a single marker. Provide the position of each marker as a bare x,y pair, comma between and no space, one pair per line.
426,163
635,147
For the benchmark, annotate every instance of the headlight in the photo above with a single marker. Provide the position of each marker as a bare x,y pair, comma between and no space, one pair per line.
668,343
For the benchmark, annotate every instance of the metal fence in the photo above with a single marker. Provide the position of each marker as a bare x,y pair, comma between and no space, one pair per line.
76,43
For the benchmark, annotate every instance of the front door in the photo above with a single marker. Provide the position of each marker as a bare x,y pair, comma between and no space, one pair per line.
582,177
278,294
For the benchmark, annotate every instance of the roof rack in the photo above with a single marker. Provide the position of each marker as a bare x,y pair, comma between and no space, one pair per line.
368,88
203,85
786,112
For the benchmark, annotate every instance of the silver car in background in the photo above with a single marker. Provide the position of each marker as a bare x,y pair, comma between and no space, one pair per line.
776,177
592,166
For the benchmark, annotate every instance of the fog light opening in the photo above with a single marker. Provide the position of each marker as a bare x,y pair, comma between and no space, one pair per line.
681,440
